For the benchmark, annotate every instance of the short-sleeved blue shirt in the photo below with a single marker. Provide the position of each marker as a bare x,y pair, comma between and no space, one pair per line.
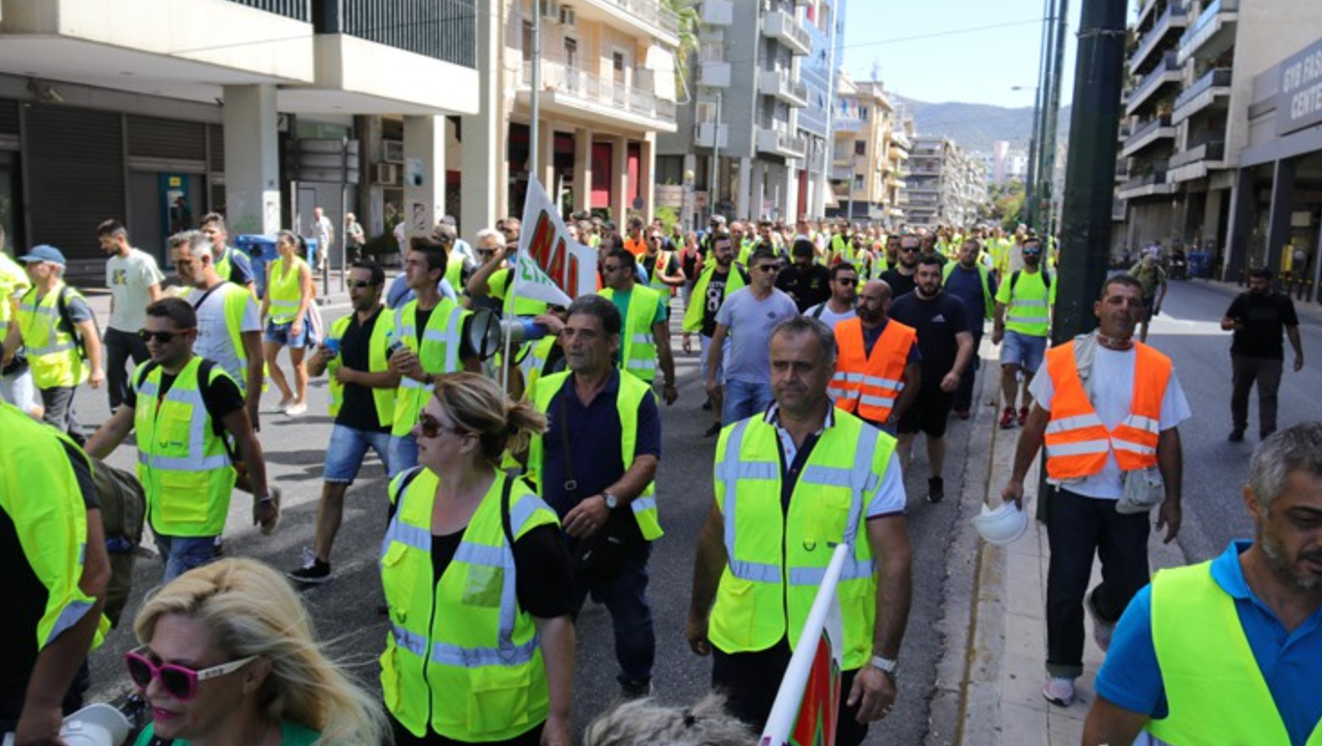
1130,677
594,442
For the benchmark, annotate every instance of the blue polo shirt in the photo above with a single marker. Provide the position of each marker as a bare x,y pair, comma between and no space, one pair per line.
594,442
1131,679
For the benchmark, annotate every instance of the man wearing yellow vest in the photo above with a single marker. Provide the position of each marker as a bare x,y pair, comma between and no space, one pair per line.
1226,651
878,372
661,262
595,465
232,265
645,338
16,385
1023,322
430,338
184,410
790,483
229,327
362,401
719,279
1108,410
56,570
57,328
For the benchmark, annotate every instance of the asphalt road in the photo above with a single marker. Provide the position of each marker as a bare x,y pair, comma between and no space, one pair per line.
345,610
1214,469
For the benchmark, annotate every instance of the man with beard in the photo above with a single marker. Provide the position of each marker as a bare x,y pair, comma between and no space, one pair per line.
972,282
716,283
1023,322
805,281
877,373
947,347
1226,651
1108,410
844,296
362,401
1257,318
900,277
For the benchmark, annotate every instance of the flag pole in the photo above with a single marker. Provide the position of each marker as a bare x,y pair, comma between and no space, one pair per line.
533,135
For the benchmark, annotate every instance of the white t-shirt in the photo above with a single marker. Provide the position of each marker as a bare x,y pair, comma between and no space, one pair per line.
129,279
322,230
213,337
1112,394
829,317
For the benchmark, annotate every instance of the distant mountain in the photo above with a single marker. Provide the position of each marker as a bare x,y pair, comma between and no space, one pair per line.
977,126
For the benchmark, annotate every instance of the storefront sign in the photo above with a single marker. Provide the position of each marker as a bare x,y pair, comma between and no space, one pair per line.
1299,103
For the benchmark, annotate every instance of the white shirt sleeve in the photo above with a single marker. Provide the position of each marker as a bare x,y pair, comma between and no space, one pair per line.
252,320
1042,389
889,497
1174,405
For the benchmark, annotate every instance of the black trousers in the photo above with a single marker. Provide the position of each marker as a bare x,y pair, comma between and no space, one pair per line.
1266,373
120,346
1078,528
750,681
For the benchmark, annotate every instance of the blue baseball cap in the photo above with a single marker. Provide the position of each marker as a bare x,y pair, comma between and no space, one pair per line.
43,253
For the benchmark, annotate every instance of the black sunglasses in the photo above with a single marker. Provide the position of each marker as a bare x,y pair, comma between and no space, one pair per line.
361,284
909,249
162,337
846,281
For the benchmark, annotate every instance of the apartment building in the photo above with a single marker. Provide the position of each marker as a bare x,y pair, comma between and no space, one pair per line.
1182,176
870,153
1006,164
825,23
946,185
739,134
137,110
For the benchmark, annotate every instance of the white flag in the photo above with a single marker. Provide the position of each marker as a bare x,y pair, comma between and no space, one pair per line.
553,267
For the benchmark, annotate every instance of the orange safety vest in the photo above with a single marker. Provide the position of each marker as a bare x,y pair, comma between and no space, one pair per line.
868,385
1077,442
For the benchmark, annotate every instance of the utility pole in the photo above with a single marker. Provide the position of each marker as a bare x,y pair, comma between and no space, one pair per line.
1039,105
1047,164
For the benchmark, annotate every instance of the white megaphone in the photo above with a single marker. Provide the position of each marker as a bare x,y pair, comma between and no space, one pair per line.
487,332
99,724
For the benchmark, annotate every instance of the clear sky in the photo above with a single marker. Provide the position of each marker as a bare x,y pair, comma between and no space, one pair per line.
971,51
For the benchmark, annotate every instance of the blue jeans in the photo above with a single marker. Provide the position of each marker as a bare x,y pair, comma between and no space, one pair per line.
744,399
344,455
183,553
403,454
625,598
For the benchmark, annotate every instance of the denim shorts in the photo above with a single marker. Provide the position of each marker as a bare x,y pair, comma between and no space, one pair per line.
280,334
183,553
1023,350
344,455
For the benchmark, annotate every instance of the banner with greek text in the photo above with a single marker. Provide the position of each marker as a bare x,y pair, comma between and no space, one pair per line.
552,266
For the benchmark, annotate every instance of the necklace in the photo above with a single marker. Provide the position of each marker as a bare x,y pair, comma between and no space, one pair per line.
1111,343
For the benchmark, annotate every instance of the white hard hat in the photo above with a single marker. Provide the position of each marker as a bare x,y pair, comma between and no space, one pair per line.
1002,525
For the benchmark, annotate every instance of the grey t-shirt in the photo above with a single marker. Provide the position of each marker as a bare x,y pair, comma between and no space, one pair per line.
750,322
129,279
823,313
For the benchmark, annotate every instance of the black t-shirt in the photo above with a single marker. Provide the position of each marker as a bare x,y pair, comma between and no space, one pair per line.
715,296
690,266
358,410
649,264
220,396
1264,318
937,321
808,287
544,581
900,284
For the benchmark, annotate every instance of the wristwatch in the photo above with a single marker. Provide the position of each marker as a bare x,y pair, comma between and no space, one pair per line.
888,666
612,502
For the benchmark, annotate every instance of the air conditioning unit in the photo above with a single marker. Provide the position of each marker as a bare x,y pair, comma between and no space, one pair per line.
387,174
550,11
392,151
566,15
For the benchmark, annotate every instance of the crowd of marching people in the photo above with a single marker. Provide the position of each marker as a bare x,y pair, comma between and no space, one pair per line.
826,348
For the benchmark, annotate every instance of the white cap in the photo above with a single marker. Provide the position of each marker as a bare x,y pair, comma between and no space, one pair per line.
1001,526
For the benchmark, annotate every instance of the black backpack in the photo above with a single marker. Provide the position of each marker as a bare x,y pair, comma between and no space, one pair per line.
62,303
1014,278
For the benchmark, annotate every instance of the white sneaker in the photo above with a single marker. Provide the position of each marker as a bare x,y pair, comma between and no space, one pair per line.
294,410
1059,691
1101,630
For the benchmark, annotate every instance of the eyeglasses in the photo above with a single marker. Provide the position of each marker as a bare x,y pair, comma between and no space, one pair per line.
360,285
909,249
432,428
178,682
1029,252
766,268
164,338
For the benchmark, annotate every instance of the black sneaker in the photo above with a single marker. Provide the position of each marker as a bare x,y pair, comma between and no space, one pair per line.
1265,434
630,690
936,489
1236,435
713,431
313,572
706,406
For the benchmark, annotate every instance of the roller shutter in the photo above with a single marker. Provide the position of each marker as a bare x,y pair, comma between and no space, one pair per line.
75,165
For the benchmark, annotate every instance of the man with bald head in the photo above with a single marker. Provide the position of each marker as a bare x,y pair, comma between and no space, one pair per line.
877,370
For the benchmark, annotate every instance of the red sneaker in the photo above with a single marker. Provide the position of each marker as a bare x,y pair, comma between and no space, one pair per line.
1007,418
1023,415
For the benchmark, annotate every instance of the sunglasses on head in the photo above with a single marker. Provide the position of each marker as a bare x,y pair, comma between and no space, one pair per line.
162,337
179,682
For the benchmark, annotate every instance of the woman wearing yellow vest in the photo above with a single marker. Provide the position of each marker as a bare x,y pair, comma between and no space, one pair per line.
477,581
285,309
255,673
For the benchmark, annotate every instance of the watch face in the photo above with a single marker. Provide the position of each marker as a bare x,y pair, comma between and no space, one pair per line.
611,500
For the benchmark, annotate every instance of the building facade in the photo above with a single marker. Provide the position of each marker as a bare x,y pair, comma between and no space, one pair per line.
870,154
946,185
739,135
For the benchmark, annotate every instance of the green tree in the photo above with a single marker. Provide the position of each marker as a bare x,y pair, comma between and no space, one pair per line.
687,14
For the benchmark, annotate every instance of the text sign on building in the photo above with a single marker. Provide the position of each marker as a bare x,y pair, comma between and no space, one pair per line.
1299,104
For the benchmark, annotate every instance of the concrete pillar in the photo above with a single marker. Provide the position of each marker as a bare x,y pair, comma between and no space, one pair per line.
647,175
483,154
582,169
791,198
743,189
620,181
1278,221
758,190
1242,203
252,159
546,159
424,172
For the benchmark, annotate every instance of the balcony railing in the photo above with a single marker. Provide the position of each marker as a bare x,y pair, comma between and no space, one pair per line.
784,27
716,12
715,73
1209,151
781,142
779,85
1213,79
594,89
441,29
1166,71
712,135
1157,177
1146,128
1201,29
1174,17
299,10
